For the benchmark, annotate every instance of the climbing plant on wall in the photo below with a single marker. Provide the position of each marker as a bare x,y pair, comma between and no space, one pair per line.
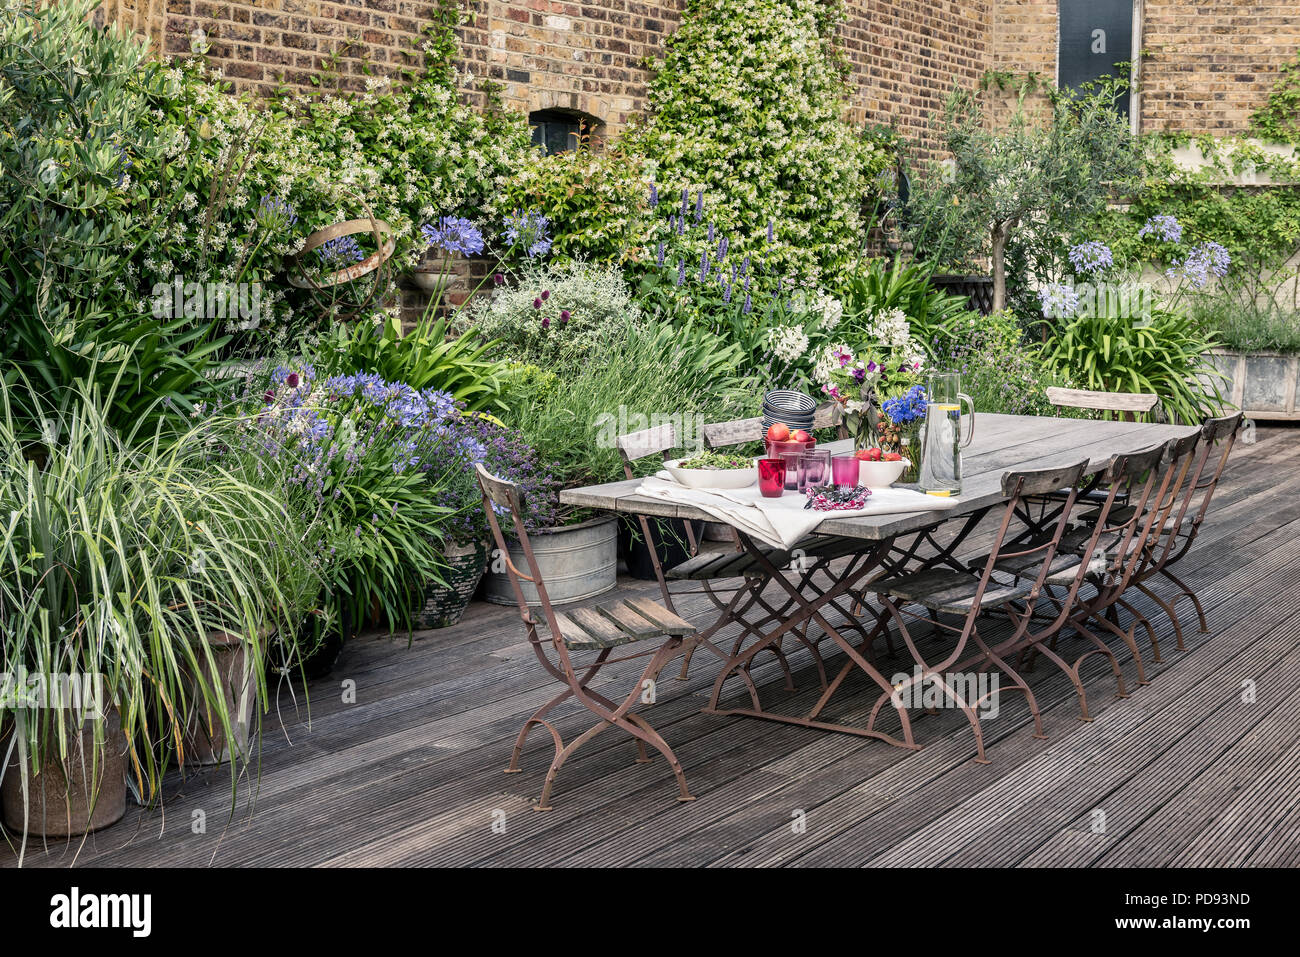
749,105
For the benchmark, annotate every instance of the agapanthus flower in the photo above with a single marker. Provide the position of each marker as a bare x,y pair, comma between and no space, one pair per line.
530,232
339,253
654,195
1203,262
274,213
1058,300
1166,227
454,234
1091,257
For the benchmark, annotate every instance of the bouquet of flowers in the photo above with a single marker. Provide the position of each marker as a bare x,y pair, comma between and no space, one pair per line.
887,366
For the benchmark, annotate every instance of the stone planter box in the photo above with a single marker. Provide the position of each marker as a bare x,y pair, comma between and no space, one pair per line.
1261,384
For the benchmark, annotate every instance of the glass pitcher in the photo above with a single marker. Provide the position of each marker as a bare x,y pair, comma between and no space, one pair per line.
942,444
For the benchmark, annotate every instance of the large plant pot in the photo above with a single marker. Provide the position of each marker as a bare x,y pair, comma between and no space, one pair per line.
64,801
1261,384
443,605
576,561
669,535
326,647
230,673
978,290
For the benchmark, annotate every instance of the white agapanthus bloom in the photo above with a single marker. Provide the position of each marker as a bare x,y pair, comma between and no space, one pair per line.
788,343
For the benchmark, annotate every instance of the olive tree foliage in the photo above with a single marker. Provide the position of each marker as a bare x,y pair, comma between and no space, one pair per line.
1039,175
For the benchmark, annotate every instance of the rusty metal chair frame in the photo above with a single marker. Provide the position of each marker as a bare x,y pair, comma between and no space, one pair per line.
971,593
1129,474
649,624
1217,438
1127,542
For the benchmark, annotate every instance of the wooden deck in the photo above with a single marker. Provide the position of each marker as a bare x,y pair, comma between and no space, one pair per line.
1185,771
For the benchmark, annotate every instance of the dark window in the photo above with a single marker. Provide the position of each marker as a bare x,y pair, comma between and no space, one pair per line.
557,131
1095,35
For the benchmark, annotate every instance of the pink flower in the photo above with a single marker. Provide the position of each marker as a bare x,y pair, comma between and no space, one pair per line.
565,315
268,396
537,304
546,322
546,294
292,380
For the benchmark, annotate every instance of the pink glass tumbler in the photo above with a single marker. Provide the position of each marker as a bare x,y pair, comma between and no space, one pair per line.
771,477
814,469
844,471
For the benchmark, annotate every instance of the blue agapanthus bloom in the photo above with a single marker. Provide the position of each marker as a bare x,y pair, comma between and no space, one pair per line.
1166,227
530,232
274,213
454,234
1058,300
339,253
1203,262
1092,256
907,408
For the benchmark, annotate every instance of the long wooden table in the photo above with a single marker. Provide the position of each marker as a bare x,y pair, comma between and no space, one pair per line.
888,544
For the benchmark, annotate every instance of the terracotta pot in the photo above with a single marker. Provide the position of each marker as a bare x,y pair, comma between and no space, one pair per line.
62,800
231,672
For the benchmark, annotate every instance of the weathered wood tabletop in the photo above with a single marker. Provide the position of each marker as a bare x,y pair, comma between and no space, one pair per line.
1002,443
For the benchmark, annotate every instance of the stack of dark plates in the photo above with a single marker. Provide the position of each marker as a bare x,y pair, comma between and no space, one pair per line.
794,409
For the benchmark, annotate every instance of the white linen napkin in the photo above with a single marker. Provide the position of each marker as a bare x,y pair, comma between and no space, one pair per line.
782,522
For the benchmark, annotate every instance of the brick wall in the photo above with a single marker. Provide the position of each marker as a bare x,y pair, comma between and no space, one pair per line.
1212,66
1210,63
583,55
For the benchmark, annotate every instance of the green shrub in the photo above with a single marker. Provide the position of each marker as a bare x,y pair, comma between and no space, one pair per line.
748,104
121,555
554,314
880,286
657,373
596,201
1160,355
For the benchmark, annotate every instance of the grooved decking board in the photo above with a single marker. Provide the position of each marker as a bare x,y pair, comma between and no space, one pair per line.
411,773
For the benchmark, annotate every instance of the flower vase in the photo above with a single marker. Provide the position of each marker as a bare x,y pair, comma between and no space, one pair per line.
910,446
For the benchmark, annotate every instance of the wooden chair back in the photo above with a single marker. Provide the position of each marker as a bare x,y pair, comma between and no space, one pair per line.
1129,405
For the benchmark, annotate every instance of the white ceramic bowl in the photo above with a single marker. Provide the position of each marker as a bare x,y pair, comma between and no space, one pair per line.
711,478
880,474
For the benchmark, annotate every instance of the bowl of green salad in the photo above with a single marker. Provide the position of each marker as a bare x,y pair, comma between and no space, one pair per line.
713,470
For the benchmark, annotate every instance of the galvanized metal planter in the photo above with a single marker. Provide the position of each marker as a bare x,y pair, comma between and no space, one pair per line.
577,562
1261,384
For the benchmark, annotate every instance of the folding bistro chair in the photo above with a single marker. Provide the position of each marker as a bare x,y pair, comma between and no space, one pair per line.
1217,439
582,631
1127,534
970,593
1086,554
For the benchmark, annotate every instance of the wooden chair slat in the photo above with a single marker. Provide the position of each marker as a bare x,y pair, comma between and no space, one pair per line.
1043,481
1102,401
721,435
603,630
627,619
659,615
638,445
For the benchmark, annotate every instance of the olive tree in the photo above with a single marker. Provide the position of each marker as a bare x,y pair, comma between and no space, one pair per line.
1040,172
